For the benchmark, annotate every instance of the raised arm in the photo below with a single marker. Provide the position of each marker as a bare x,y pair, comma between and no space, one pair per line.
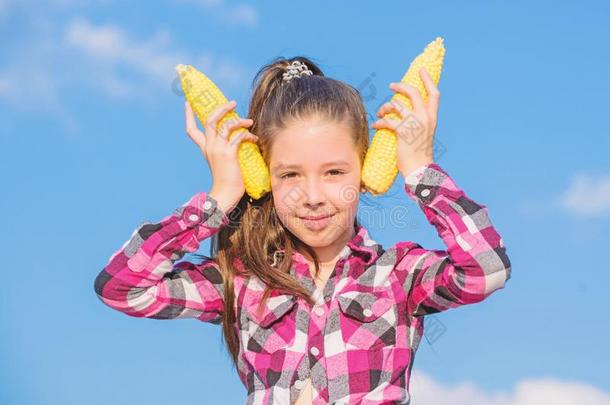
142,279
475,263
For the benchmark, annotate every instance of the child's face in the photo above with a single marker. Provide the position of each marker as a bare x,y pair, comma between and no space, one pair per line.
315,186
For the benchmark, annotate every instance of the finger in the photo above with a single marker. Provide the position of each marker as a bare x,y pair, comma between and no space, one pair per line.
223,131
246,136
392,106
191,126
407,130
410,92
412,124
388,123
433,92
214,117
401,107
190,117
242,136
232,124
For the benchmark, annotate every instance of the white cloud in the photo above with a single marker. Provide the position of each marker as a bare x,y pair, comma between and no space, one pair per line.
4,7
205,3
151,61
23,84
55,60
5,85
543,391
112,47
241,14
587,195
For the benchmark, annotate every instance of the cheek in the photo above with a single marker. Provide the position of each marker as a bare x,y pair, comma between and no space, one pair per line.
347,196
282,206
283,215
285,194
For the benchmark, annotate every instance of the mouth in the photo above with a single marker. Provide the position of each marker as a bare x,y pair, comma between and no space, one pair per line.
318,217
316,223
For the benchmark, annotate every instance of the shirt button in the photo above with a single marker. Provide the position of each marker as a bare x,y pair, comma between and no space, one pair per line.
319,311
367,312
298,384
207,205
425,192
314,351
194,217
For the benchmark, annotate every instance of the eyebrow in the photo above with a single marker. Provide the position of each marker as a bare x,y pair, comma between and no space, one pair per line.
283,166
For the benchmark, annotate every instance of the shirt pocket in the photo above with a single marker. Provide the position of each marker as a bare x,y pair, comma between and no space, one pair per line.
367,319
274,327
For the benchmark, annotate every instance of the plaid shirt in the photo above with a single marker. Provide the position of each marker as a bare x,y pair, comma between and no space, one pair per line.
357,344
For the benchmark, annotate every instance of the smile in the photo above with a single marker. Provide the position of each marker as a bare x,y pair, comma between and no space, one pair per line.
316,223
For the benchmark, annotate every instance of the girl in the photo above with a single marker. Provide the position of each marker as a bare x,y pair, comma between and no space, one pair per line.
313,310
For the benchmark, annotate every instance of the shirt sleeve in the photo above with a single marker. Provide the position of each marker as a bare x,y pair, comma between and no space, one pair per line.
475,263
142,279
415,175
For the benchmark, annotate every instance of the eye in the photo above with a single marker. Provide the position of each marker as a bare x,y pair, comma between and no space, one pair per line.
290,174
287,175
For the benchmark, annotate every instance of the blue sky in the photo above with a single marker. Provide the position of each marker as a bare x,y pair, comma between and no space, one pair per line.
93,143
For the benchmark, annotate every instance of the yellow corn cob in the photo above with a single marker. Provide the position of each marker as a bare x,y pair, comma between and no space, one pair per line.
204,96
380,166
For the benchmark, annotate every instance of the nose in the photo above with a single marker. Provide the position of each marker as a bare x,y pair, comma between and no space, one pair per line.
314,194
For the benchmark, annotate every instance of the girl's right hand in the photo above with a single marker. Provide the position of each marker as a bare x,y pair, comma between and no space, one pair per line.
220,153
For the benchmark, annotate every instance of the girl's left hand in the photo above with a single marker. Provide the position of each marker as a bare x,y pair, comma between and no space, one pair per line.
415,129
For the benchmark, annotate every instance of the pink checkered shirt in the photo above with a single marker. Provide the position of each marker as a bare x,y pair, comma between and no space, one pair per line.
358,343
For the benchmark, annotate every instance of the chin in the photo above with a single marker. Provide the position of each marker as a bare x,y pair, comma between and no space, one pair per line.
316,241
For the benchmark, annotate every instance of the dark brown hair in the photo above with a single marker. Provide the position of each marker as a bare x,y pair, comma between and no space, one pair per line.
273,105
